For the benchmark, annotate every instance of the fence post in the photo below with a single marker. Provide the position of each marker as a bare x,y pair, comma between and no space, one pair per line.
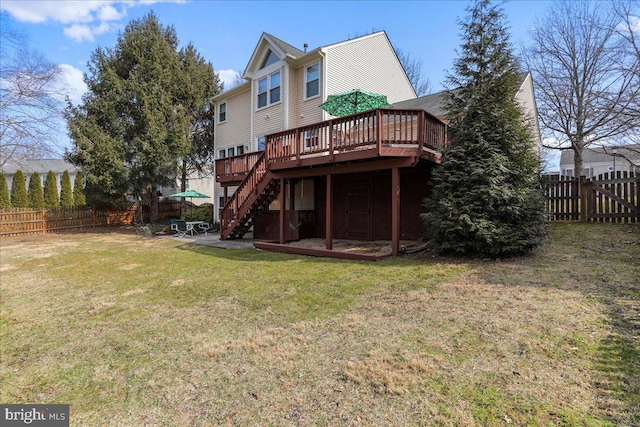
44,220
583,199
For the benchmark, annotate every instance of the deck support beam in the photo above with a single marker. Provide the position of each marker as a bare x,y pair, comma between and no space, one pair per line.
282,201
329,209
395,211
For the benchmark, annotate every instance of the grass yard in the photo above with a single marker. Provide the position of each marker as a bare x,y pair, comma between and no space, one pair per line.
132,331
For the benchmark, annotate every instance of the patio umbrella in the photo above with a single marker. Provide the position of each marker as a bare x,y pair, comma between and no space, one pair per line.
191,194
354,101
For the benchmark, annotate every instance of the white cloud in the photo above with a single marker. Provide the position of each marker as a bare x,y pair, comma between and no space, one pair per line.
229,78
72,83
79,32
85,19
65,12
110,13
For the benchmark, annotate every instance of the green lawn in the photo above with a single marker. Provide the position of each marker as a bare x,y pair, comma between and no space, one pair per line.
132,331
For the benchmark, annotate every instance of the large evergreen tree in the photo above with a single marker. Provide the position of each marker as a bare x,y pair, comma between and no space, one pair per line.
486,199
51,196
199,83
5,199
130,130
78,191
19,196
36,196
66,192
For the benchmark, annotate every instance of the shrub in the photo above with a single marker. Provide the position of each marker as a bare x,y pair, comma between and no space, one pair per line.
19,196
201,213
78,191
51,197
66,192
36,196
5,199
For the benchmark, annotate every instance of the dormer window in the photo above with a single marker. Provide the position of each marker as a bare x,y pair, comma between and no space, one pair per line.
270,59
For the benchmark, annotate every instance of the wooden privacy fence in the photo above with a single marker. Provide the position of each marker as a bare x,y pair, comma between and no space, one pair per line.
610,197
16,221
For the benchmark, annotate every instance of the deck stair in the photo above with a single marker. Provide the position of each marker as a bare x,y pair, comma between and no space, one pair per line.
252,197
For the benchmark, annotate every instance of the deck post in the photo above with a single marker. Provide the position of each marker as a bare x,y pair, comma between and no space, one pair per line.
283,190
331,142
226,195
379,131
329,209
395,211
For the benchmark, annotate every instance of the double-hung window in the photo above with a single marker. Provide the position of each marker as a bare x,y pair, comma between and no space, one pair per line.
312,80
222,113
269,90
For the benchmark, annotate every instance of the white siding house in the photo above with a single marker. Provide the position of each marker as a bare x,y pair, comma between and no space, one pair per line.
285,86
42,167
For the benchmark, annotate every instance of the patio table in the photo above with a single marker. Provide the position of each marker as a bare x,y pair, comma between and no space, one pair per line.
191,226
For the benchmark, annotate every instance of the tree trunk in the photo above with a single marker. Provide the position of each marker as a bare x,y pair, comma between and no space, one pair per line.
153,208
577,160
183,186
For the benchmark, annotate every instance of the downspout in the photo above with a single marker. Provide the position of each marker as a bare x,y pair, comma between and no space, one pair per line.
323,55
252,139
286,96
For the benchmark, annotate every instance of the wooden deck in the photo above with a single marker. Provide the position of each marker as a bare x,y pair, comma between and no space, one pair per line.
372,135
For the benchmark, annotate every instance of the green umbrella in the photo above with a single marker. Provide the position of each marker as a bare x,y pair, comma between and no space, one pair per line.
191,194
354,101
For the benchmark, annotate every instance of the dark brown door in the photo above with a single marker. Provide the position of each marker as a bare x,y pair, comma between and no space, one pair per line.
359,211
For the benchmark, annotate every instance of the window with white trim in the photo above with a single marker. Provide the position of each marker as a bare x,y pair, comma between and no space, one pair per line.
222,112
222,154
239,150
261,143
231,152
312,80
269,90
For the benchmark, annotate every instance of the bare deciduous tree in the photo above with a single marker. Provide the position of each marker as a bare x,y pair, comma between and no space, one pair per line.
413,68
586,80
30,100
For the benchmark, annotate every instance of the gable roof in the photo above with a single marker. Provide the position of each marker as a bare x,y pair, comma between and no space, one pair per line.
42,166
285,47
599,155
435,103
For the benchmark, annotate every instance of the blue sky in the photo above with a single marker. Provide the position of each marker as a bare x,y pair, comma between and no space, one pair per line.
226,32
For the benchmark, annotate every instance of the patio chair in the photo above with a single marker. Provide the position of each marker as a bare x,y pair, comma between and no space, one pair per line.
204,227
180,227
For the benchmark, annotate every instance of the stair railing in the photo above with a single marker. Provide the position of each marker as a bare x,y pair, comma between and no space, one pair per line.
230,214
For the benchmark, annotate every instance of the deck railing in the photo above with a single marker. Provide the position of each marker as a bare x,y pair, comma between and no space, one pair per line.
370,129
374,130
236,167
248,185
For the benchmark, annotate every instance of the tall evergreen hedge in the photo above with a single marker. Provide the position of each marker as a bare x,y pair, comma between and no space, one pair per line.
19,196
78,191
66,192
51,197
486,199
5,199
36,196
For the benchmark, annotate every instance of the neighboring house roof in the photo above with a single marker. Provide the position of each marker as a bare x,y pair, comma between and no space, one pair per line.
435,103
602,155
41,166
